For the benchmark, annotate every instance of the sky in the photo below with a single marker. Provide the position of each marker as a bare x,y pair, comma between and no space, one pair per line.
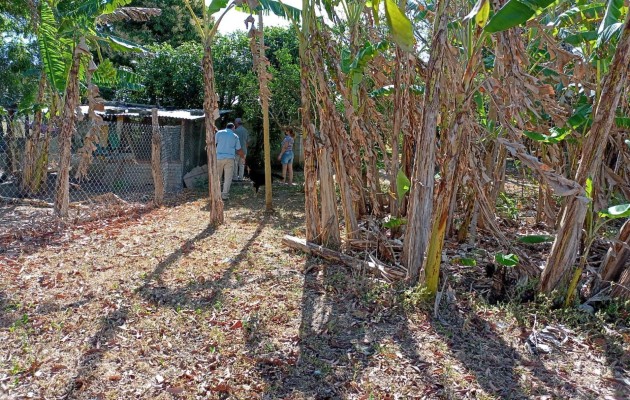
234,20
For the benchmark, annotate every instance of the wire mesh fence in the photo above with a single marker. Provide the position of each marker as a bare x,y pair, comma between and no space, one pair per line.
114,157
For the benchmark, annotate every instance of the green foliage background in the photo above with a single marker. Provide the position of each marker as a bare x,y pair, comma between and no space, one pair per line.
18,60
173,26
172,77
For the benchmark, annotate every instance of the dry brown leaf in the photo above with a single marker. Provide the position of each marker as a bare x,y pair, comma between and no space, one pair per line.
175,390
221,388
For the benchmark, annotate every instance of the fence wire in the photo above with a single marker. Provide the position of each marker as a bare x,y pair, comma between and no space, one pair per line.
112,158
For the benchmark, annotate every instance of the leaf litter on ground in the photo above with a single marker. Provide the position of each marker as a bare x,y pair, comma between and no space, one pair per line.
156,304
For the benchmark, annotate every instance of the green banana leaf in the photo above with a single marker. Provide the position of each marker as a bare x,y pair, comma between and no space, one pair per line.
514,13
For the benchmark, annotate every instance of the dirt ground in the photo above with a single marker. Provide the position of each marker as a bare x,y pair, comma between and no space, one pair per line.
157,305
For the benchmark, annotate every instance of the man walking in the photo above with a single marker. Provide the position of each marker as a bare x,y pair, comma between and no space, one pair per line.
243,137
228,146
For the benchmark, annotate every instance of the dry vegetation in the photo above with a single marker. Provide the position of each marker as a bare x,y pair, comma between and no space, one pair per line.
156,305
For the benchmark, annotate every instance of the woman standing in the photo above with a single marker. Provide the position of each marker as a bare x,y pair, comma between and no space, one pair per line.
286,156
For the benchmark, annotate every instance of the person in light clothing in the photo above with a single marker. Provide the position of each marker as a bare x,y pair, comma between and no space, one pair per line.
228,146
286,156
239,163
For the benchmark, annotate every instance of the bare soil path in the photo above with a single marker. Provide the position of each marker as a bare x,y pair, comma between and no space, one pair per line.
157,305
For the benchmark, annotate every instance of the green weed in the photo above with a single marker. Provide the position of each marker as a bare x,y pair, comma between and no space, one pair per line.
417,298
507,207
20,323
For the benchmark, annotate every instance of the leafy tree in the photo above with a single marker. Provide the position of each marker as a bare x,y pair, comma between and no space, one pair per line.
14,17
171,77
18,55
17,86
172,26
232,65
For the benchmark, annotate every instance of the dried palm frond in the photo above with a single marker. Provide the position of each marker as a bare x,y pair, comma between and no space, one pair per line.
135,14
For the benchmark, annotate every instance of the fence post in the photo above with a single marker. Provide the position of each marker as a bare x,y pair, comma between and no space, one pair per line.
11,150
156,145
182,143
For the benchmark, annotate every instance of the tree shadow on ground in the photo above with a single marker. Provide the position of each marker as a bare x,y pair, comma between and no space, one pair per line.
336,344
618,361
498,368
23,234
92,357
344,332
195,295
37,233
331,344
6,306
9,309
174,257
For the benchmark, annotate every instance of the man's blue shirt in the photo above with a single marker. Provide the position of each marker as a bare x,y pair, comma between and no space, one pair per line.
227,144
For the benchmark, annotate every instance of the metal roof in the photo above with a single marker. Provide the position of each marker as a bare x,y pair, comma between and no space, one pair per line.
135,111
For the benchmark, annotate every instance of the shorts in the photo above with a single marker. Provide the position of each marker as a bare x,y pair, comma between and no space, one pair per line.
287,157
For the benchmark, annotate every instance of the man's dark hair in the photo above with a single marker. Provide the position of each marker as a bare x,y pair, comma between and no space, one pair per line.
230,125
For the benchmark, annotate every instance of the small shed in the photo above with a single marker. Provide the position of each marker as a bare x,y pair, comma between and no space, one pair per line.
183,140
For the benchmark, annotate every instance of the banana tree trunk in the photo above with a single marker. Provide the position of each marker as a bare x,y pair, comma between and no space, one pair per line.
402,81
616,259
421,195
372,182
373,127
328,234
330,221
265,94
453,145
370,158
469,224
566,245
621,289
62,197
407,158
350,147
495,164
329,117
308,133
345,190
40,164
311,206
211,111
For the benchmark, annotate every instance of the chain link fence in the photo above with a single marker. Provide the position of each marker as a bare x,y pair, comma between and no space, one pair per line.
113,158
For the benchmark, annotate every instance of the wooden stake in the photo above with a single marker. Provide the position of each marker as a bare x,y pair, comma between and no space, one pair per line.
156,170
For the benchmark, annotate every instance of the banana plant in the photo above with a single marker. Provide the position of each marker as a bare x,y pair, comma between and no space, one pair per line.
68,31
67,24
600,38
207,27
595,221
570,231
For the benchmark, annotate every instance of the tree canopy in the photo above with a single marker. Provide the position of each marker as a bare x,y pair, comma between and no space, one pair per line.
172,26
